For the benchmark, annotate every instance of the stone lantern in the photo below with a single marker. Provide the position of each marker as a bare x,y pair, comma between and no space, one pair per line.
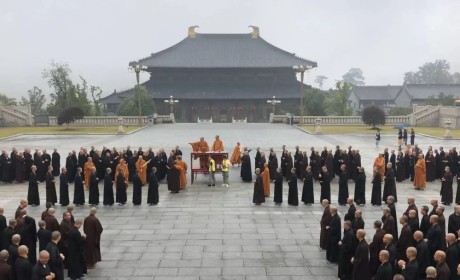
121,130
318,123
447,124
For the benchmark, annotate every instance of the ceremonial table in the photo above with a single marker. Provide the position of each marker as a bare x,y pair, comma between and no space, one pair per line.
196,166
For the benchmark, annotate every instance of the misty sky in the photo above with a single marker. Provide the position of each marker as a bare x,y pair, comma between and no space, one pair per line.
99,38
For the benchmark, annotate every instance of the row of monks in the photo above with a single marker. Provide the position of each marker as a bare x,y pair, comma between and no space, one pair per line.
426,247
60,245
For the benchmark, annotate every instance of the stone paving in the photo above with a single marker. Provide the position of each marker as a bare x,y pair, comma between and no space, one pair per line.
216,233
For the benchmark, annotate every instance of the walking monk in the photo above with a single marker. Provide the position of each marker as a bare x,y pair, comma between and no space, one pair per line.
183,171
201,147
218,146
379,163
266,180
236,156
420,173
88,170
141,167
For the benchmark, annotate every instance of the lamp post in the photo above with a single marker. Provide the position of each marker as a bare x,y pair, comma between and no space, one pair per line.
171,102
301,69
273,101
137,69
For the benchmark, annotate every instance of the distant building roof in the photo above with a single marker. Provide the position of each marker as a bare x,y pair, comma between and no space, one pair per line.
223,51
376,92
425,91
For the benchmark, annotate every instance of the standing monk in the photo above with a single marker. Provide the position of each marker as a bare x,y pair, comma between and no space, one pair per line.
258,194
218,146
50,186
93,230
33,195
201,147
87,171
266,180
325,224
420,173
141,167
379,163
122,166
236,156
183,172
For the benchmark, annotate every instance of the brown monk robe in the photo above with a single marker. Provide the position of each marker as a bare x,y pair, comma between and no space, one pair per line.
218,146
202,147
141,167
87,171
236,156
379,162
122,166
93,230
183,172
420,173
266,179
325,224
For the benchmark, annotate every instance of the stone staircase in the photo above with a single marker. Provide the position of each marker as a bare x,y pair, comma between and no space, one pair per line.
15,116
426,116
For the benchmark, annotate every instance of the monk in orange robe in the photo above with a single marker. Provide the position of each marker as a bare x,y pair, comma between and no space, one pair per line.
88,171
142,169
218,146
202,147
379,163
420,173
183,171
236,156
266,180
123,167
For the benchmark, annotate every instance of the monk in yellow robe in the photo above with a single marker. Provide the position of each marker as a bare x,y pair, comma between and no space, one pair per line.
122,166
202,147
379,163
88,171
183,171
420,173
142,169
266,180
236,156
218,146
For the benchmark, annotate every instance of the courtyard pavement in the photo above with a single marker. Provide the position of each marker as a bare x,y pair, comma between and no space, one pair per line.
216,233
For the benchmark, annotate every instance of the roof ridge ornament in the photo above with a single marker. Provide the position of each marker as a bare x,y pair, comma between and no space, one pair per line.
191,31
255,31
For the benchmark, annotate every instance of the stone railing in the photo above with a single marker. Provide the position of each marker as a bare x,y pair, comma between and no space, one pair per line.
113,120
204,120
245,120
335,120
16,115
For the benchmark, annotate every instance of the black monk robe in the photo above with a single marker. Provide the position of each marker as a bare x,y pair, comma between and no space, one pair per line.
278,198
361,269
93,190
108,190
307,191
79,193
360,188
33,196
343,188
153,195
137,189
63,190
50,188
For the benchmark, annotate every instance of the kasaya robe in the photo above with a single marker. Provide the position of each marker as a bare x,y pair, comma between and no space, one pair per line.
93,190
33,195
87,172
56,163
121,189
420,174
108,190
63,190
78,192
141,167
379,162
183,173
324,181
360,188
246,173
50,188
122,167
446,188
137,189
202,147
76,256
343,188
335,232
389,187
218,146
258,196
266,180
153,195
293,193
174,178
236,156
278,190
361,269
325,222
93,230
308,196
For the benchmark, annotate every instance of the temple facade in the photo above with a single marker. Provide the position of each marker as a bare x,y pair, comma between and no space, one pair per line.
220,76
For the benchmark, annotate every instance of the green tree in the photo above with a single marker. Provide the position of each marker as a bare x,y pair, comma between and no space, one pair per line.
69,115
337,100
355,77
441,99
35,99
96,95
320,81
7,101
373,116
314,102
129,106
431,73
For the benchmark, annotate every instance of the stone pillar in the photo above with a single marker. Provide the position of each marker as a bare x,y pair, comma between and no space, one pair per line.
120,126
